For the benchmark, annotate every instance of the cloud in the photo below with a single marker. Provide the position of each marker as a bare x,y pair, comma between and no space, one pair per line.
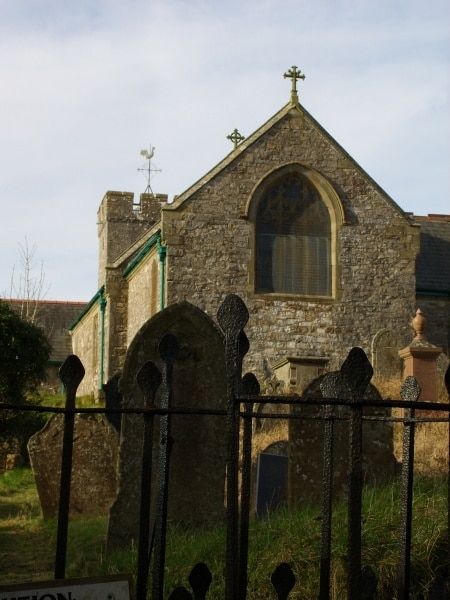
90,84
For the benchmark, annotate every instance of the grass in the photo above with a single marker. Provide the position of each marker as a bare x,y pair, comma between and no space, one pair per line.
27,543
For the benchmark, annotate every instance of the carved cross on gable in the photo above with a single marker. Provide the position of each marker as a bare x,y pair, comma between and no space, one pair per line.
294,73
236,138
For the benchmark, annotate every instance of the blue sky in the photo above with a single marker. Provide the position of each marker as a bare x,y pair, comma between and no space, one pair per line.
87,85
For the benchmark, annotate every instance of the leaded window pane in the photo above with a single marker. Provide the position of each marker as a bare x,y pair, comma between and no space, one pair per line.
293,240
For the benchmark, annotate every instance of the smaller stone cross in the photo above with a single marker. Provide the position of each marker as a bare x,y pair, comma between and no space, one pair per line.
236,138
294,73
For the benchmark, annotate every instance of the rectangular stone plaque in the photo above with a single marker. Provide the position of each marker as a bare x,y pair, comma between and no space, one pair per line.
114,587
271,482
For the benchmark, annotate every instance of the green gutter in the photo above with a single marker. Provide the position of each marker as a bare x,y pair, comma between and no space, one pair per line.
101,300
95,299
155,240
162,252
102,304
149,244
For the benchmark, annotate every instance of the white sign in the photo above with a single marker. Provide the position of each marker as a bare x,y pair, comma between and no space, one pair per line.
115,587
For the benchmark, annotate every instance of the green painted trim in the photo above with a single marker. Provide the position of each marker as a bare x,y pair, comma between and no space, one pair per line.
162,252
149,245
87,308
102,302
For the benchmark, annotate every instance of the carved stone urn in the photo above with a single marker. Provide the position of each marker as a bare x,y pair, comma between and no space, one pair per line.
418,324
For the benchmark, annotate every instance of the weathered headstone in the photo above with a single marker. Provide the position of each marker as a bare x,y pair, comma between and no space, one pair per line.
113,399
306,442
271,482
198,454
94,476
387,365
14,461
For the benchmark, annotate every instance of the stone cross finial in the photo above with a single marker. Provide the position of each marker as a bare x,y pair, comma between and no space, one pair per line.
294,73
236,138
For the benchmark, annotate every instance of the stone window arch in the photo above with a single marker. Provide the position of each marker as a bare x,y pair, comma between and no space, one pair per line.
295,214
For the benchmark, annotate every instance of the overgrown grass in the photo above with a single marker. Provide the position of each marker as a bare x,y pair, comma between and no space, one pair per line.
59,400
27,543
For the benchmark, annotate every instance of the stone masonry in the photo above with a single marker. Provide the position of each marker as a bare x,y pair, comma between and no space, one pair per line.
208,235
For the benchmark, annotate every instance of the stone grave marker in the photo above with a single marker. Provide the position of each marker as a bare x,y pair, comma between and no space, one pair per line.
198,453
113,399
94,474
271,482
306,440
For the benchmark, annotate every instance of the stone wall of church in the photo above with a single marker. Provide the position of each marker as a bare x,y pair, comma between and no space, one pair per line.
121,223
143,294
210,253
116,322
85,344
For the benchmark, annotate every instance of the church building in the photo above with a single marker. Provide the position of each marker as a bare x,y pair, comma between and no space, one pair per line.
323,258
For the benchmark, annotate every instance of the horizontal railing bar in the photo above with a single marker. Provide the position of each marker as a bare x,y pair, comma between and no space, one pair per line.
245,414
388,403
115,411
281,400
318,417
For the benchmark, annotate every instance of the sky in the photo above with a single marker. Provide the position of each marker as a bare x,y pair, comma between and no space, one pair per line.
87,85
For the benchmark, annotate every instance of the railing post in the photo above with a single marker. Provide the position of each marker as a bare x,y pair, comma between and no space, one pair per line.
356,373
149,379
410,391
71,373
250,387
168,347
447,386
329,389
232,317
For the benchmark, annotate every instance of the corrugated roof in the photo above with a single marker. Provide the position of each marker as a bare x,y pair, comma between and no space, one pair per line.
433,261
54,317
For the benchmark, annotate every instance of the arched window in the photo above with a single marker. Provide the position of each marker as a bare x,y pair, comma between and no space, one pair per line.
293,239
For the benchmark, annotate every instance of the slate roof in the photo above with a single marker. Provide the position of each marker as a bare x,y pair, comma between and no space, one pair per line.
55,317
433,261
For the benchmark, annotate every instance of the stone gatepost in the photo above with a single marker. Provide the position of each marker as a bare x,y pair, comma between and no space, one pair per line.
420,360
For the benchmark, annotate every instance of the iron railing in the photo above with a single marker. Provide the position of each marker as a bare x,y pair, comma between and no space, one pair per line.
345,388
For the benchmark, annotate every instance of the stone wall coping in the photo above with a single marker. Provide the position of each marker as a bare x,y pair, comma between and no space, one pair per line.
427,351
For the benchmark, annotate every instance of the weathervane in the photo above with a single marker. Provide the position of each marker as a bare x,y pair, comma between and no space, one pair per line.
148,155
236,138
294,73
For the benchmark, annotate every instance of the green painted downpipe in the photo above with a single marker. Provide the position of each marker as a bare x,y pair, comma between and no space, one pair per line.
102,304
162,252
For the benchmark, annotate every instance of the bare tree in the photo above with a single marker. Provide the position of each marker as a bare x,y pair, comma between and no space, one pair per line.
28,283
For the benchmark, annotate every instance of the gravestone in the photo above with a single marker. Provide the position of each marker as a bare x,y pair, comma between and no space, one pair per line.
306,442
94,479
387,365
271,482
198,452
113,399
14,461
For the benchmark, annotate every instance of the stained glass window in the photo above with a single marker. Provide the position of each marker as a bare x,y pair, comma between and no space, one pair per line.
293,240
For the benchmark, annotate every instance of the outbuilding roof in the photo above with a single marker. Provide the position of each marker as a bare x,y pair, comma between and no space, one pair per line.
433,261
54,317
